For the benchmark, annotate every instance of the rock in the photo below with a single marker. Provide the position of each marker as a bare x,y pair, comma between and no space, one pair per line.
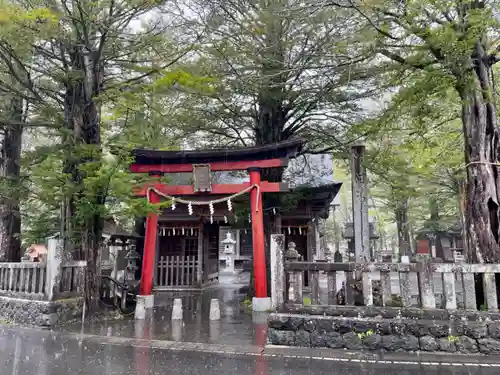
467,345
476,330
325,325
494,330
310,325
394,343
384,327
277,321
344,326
373,342
334,340
352,341
303,338
428,344
398,328
411,343
489,346
276,337
293,323
417,329
362,326
318,340
439,330
447,344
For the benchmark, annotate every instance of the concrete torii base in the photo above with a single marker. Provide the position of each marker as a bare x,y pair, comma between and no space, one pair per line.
261,304
143,303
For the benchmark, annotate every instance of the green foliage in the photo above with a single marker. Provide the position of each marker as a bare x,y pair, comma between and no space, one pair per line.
365,335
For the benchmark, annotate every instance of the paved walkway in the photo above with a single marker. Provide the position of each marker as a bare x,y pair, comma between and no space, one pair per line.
235,345
41,352
238,326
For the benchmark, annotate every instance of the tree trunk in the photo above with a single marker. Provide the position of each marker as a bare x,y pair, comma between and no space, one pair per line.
436,227
401,215
481,156
10,169
83,120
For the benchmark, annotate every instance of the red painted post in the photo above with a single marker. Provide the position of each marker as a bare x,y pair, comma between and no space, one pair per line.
148,258
259,256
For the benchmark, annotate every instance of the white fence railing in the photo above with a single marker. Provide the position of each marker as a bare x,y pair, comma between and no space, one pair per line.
32,280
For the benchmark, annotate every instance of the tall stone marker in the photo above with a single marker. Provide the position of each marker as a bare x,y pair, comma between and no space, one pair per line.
360,204
277,270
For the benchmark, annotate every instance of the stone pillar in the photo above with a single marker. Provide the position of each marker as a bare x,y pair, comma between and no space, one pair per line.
449,290
490,291
427,297
277,270
54,267
320,251
360,204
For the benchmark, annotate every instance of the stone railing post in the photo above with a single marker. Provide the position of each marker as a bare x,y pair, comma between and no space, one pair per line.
425,281
449,290
385,285
490,291
277,270
367,288
294,277
469,288
54,268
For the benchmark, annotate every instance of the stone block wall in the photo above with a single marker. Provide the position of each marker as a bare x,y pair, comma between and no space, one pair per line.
39,313
390,335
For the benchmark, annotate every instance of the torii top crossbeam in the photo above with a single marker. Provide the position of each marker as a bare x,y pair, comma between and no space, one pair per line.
268,156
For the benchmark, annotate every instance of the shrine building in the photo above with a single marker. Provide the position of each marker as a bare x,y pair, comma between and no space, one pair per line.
215,192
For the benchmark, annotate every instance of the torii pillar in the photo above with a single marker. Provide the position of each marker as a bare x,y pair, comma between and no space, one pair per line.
261,302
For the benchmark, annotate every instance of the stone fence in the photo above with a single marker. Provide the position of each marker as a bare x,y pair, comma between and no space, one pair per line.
457,280
37,281
383,306
45,293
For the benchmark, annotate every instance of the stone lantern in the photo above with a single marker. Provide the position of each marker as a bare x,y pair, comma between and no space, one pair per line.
229,253
130,269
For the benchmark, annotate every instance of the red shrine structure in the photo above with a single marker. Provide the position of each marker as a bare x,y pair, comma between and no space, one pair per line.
202,198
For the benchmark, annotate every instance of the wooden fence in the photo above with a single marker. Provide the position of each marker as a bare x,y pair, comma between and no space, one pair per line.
458,284
177,271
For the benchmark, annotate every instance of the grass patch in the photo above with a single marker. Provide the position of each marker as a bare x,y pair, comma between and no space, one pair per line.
306,301
247,303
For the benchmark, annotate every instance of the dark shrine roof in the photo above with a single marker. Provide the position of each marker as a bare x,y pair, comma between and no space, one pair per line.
320,197
286,149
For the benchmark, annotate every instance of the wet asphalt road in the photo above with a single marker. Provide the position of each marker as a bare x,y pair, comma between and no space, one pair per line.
36,352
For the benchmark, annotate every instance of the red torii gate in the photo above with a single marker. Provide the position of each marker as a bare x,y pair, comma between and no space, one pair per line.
201,164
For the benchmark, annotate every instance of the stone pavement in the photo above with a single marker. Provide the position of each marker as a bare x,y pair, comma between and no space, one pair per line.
238,326
235,345
41,352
